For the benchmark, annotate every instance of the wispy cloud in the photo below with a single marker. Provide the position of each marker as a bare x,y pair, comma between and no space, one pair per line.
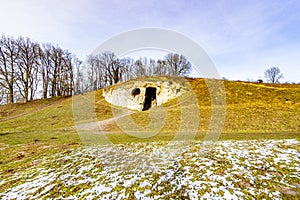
242,37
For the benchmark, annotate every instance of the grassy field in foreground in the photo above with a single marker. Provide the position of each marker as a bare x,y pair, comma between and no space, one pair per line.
221,170
253,111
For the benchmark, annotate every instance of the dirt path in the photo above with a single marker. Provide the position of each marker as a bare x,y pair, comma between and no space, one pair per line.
101,125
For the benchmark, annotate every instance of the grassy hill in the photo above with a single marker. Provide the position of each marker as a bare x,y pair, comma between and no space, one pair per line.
31,132
250,107
253,111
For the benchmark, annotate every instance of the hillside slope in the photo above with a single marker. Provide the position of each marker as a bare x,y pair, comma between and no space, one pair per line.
36,129
250,108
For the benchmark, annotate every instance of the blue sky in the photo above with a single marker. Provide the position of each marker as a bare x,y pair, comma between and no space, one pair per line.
243,38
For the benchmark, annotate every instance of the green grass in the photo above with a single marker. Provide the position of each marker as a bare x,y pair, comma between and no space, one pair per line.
11,111
253,111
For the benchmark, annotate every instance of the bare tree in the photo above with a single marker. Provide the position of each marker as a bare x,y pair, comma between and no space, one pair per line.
78,76
177,64
152,67
61,76
45,67
66,76
161,68
127,65
4,80
27,68
111,64
57,71
23,64
56,58
8,59
273,75
2,94
106,69
140,67
93,71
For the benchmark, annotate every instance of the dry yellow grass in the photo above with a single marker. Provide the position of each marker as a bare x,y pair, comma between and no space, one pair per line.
253,111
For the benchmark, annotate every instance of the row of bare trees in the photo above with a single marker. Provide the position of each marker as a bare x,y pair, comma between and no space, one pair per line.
27,66
29,70
107,69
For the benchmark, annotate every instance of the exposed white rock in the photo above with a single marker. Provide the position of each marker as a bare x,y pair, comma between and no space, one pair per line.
133,94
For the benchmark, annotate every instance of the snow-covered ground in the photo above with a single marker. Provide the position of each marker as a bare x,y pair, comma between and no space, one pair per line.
160,170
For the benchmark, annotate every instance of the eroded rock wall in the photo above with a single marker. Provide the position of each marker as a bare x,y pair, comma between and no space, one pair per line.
126,94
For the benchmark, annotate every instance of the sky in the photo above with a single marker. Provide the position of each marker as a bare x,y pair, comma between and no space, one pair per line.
242,38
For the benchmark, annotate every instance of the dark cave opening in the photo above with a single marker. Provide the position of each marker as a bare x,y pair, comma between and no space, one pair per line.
150,96
135,91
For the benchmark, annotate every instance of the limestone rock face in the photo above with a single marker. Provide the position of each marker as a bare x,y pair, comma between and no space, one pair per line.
144,94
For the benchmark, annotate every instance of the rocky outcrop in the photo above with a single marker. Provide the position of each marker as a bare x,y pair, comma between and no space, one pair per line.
144,94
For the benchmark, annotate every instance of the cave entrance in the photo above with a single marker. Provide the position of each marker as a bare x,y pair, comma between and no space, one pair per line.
150,97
